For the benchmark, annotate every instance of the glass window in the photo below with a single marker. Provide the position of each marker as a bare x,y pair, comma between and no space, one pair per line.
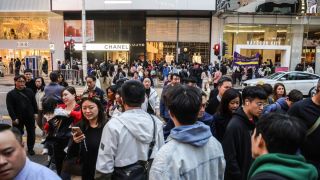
23,28
302,76
290,76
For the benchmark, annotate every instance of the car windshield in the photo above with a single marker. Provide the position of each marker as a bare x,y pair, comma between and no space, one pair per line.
275,75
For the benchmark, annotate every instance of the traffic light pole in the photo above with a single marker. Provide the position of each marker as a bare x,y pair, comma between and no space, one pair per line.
84,50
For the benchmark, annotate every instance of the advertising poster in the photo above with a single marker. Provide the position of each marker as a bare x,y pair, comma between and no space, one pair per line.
73,29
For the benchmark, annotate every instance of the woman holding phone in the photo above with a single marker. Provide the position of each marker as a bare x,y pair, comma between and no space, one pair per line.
87,135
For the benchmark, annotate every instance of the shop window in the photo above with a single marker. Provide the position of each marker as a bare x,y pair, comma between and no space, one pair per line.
23,28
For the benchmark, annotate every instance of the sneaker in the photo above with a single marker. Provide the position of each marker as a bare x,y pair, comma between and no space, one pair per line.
31,152
44,151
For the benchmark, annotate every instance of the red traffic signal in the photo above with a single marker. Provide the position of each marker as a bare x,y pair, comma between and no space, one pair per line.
67,44
216,49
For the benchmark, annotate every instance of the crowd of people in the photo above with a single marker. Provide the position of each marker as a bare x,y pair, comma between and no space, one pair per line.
200,127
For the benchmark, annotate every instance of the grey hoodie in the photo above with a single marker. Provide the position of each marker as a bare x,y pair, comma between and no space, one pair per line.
190,153
126,138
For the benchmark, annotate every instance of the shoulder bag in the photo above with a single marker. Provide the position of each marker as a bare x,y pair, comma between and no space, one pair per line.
313,127
138,170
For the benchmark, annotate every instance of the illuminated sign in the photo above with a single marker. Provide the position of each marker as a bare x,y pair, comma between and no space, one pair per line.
103,47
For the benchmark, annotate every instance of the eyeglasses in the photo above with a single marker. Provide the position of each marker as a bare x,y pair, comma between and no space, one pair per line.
19,81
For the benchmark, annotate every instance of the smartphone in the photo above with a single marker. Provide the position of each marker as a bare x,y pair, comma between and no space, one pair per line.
77,131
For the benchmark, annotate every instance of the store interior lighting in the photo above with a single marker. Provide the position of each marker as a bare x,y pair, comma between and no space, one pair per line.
117,2
250,31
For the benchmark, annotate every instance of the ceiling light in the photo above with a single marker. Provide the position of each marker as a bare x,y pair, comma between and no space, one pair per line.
117,2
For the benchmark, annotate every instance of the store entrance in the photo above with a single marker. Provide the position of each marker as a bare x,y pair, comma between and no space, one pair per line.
120,56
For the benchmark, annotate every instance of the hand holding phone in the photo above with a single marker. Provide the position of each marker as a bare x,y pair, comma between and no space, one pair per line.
76,131
77,134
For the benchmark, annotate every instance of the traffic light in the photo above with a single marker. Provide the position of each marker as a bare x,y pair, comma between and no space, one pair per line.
72,45
224,48
67,45
216,49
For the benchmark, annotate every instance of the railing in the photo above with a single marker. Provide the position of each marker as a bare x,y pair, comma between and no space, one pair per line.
73,76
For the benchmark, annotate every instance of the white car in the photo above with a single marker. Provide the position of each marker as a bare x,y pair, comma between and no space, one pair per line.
302,81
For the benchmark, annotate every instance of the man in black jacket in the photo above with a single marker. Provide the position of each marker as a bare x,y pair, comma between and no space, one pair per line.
22,108
30,83
224,84
236,142
308,110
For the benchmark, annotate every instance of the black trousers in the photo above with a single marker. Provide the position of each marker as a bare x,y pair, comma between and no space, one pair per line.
31,131
58,153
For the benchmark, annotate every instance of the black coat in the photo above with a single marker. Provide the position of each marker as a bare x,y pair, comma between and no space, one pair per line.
236,145
32,85
213,102
22,107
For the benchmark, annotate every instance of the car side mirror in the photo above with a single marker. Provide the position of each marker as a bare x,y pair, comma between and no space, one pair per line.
282,79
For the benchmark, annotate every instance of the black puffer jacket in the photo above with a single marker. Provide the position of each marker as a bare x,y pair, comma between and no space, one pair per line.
236,145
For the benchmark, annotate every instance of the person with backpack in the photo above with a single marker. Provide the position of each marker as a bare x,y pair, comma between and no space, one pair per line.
129,140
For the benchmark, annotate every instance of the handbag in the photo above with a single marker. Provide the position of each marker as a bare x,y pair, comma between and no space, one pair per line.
138,170
72,166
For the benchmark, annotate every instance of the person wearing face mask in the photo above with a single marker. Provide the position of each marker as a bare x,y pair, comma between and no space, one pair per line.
230,102
22,107
87,140
236,141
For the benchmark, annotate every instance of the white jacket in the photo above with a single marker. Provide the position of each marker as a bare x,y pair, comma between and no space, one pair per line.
125,140
153,100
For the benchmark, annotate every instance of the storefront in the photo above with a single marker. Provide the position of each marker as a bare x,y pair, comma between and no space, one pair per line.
178,39
118,37
271,42
24,36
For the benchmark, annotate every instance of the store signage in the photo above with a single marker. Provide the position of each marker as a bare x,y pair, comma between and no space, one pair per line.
103,47
22,44
275,43
138,45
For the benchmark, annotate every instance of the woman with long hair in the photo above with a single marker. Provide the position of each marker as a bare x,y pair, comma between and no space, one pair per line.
230,102
279,91
111,95
86,139
62,81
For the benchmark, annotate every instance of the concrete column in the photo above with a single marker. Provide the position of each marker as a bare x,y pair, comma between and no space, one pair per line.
296,45
56,36
217,27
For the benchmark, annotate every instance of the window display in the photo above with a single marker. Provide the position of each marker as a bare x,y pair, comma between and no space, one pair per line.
23,28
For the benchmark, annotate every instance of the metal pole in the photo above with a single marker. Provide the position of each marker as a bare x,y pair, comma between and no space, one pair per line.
84,50
177,44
